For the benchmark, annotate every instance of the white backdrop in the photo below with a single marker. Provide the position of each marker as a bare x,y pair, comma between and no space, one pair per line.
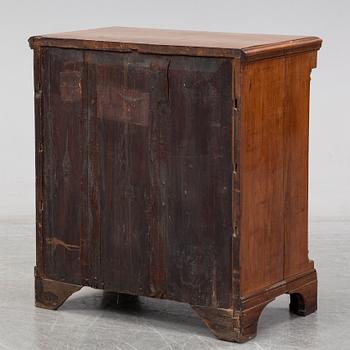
330,95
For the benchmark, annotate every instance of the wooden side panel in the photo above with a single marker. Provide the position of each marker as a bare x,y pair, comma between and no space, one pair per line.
261,174
64,163
162,129
296,131
274,170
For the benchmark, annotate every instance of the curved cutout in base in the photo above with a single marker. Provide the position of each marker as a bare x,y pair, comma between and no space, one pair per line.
229,325
241,325
50,294
303,301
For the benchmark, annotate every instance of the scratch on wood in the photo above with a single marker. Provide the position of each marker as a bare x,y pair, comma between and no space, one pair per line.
57,242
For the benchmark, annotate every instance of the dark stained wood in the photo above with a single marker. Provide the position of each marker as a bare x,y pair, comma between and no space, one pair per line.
181,42
163,173
150,182
39,142
64,153
198,181
118,82
51,294
236,197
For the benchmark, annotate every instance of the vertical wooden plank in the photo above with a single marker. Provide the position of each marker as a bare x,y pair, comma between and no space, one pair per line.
262,160
64,153
274,168
162,150
38,96
85,247
296,131
158,212
92,245
199,182
236,181
127,97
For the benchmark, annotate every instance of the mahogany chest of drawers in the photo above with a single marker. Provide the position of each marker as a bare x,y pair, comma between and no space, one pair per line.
174,164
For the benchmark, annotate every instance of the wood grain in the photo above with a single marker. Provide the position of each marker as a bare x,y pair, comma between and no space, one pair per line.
51,294
237,70
132,204
198,180
296,162
261,159
180,42
174,164
239,324
39,159
274,170
64,163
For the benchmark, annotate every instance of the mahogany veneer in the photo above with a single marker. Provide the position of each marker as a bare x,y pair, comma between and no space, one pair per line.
174,164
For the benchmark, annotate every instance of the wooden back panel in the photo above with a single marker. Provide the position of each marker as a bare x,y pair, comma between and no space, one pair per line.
137,168
64,163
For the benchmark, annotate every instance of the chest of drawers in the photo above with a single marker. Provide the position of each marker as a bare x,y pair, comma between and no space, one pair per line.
174,164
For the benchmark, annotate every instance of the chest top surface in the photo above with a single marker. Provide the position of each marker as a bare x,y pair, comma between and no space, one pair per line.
183,42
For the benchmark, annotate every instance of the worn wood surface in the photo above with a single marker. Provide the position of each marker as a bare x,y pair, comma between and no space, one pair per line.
181,42
151,181
236,181
239,324
64,163
173,175
51,294
200,232
39,159
137,181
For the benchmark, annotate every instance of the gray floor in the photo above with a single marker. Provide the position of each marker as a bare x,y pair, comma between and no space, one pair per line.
88,320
